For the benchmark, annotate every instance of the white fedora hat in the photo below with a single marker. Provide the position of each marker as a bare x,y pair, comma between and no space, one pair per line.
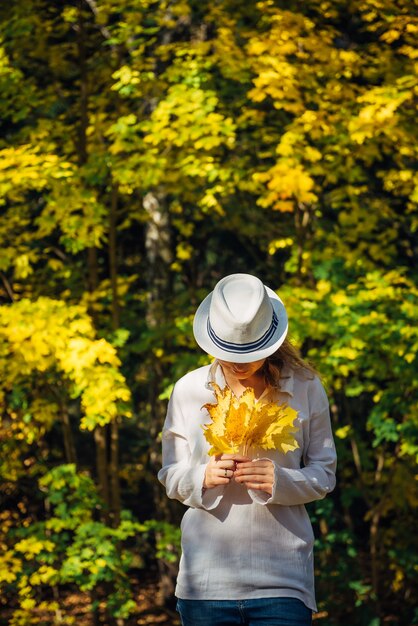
241,320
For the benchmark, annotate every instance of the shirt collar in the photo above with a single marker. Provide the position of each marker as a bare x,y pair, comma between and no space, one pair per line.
287,381
215,375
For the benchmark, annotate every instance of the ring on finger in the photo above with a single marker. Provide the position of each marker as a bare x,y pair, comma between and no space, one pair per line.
226,473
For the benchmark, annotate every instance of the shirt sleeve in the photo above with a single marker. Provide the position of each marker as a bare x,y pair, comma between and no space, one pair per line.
181,474
316,478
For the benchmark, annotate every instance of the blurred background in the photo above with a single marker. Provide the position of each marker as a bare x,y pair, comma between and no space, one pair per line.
148,148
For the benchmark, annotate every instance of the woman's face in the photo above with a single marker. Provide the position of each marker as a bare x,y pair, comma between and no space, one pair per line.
242,371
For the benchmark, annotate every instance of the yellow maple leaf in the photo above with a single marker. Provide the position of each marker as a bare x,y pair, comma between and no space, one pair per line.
219,410
243,423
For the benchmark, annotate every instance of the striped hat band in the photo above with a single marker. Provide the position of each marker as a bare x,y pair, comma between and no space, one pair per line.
242,348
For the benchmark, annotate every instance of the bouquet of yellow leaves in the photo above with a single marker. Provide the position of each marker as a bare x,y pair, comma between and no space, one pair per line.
239,424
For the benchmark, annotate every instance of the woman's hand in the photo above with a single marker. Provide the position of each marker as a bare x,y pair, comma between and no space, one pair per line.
221,468
256,474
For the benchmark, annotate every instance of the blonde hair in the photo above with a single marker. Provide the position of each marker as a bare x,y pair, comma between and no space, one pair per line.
286,356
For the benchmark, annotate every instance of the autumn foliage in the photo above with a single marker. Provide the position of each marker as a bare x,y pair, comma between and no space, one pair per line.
147,148
246,425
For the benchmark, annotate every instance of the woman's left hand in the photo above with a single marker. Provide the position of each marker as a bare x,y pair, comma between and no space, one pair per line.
256,474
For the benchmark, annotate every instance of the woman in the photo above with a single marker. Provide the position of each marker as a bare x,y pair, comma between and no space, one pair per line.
247,541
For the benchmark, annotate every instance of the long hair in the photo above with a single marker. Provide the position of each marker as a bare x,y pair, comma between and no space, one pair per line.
287,355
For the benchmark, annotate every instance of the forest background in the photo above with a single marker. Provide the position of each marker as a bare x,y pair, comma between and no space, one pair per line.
148,148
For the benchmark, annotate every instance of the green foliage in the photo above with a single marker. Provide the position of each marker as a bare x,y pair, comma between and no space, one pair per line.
70,546
366,341
167,540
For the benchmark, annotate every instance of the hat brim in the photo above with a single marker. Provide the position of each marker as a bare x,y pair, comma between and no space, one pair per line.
200,330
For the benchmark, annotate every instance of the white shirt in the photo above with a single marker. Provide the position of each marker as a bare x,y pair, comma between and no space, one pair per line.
238,543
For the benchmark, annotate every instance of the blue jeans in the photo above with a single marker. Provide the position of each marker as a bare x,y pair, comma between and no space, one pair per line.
257,612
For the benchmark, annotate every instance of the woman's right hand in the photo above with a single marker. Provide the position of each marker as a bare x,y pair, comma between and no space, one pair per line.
221,468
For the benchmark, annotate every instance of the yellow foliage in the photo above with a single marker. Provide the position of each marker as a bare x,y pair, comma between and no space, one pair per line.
279,244
347,353
379,113
184,251
24,167
125,75
31,547
286,180
10,566
398,578
239,424
340,299
188,116
233,59
44,575
47,335
28,604
343,432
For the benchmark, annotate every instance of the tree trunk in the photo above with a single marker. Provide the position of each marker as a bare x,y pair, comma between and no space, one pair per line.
303,232
100,439
374,536
115,498
100,432
159,258
84,92
105,471
69,446
113,267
